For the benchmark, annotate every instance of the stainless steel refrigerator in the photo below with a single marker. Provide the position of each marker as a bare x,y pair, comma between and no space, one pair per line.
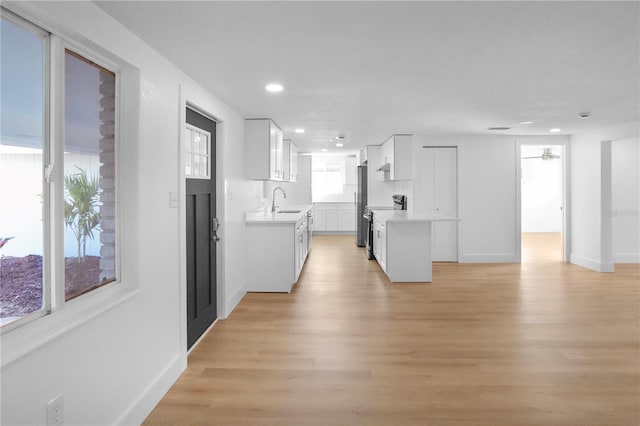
362,224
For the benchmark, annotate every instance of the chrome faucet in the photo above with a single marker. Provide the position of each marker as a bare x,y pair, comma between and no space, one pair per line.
273,201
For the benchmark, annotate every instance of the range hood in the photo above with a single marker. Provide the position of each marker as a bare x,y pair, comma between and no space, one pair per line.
384,168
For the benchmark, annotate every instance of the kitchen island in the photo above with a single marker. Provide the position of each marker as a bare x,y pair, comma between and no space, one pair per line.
402,243
278,244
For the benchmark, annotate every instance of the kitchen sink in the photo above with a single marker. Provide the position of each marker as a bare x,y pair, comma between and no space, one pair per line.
289,211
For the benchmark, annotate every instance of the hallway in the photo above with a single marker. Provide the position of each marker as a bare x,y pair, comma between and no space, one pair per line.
492,344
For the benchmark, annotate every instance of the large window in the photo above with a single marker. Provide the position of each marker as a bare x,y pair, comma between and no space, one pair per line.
22,132
89,175
327,177
40,173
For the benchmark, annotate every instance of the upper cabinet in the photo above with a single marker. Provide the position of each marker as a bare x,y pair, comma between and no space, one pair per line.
290,161
396,162
363,155
264,157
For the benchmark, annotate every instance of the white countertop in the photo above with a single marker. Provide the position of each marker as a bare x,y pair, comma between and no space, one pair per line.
264,217
408,216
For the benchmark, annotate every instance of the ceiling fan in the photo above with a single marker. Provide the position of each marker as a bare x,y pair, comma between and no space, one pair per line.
547,154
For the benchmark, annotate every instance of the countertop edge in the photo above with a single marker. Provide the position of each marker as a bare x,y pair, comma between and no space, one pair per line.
259,217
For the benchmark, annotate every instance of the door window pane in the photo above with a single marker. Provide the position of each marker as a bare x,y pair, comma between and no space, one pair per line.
89,176
21,163
198,152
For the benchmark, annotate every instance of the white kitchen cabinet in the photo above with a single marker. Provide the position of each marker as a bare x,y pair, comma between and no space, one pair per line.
276,251
397,158
334,217
290,161
403,248
300,246
300,193
346,217
350,170
380,242
319,217
363,155
264,159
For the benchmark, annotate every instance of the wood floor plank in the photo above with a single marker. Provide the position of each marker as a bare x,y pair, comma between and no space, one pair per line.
537,343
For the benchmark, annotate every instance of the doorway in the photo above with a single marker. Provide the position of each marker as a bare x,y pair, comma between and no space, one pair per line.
201,224
542,223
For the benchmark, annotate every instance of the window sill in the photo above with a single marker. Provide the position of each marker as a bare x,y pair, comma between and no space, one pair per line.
25,339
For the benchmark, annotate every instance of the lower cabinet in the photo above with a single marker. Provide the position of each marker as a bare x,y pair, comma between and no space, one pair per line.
346,217
276,254
403,249
300,247
334,217
380,242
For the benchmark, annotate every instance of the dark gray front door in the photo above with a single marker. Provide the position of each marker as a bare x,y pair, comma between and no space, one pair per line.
201,213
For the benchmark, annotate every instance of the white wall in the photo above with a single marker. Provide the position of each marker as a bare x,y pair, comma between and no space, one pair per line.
625,216
114,361
590,168
487,193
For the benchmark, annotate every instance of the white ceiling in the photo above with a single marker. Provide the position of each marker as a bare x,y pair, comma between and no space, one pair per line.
372,69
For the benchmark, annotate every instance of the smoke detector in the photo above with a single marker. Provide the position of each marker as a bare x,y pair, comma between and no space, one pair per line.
584,114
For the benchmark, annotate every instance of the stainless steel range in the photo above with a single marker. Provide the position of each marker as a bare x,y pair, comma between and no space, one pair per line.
399,203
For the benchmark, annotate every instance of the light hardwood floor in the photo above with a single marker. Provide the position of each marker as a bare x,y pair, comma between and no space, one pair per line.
537,343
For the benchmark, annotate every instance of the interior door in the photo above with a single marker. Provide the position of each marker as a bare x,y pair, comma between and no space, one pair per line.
441,196
201,224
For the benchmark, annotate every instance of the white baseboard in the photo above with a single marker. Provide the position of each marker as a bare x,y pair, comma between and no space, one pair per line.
591,264
233,301
146,402
489,258
626,258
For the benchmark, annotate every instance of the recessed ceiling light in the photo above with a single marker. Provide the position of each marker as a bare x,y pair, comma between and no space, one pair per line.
274,87
339,145
299,130
555,130
526,122
324,150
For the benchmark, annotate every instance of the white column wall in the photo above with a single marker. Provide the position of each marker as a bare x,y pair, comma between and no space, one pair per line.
625,170
590,224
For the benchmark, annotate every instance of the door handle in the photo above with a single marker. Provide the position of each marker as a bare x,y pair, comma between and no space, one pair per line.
215,225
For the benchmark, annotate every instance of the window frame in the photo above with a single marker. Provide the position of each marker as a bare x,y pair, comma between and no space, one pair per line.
58,316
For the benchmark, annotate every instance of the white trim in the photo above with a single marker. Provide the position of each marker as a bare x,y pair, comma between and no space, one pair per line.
591,264
606,224
184,102
518,183
566,193
626,258
234,300
56,199
147,400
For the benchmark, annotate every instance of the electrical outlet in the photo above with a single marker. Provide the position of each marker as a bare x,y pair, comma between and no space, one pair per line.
55,411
